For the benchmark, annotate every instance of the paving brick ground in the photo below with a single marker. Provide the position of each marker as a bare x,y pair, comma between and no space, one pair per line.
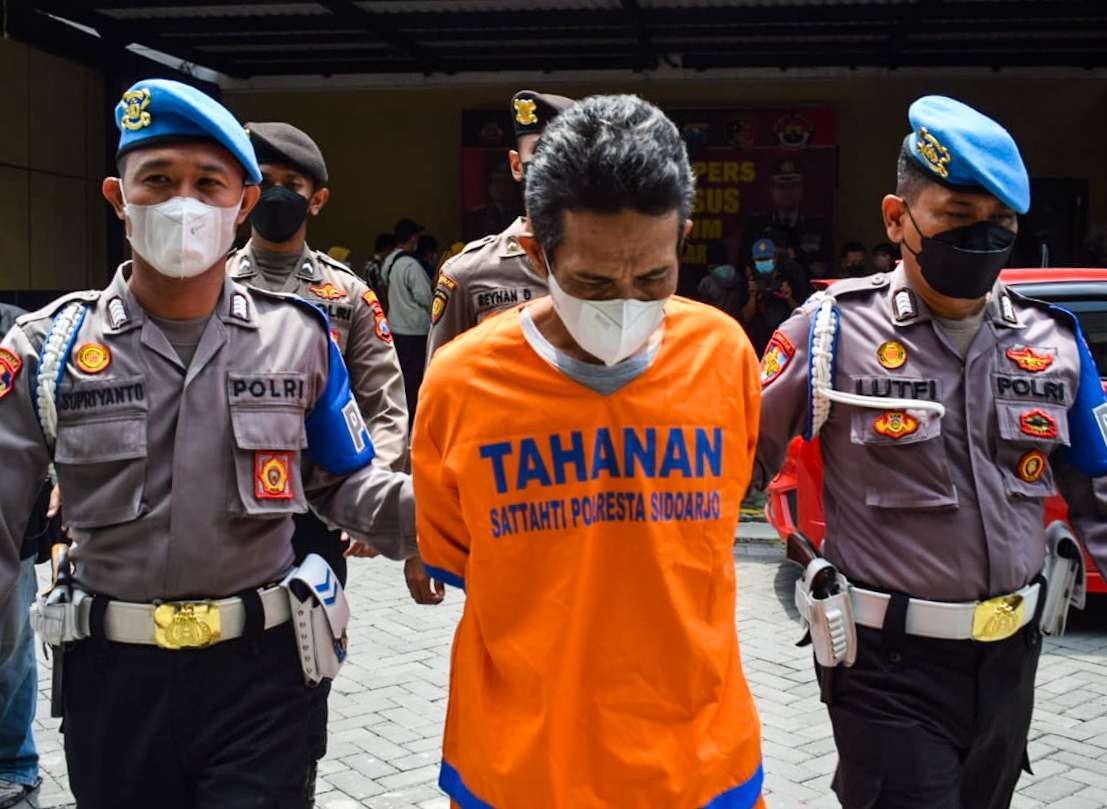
389,701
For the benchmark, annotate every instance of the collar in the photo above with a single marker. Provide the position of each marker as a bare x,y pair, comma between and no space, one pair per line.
124,313
509,242
242,263
1001,307
905,306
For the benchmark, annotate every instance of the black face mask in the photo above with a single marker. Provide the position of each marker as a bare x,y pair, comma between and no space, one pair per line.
963,262
279,213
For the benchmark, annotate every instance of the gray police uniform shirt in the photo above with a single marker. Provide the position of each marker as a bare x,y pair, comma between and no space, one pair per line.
363,333
490,275
161,465
947,509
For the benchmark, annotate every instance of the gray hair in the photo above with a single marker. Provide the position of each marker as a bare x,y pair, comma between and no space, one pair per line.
607,154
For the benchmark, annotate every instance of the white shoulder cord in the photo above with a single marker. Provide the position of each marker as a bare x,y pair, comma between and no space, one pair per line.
51,367
821,374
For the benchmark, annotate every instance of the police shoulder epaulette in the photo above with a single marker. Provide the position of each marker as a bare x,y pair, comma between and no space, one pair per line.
55,306
473,246
1009,298
286,297
334,263
853,286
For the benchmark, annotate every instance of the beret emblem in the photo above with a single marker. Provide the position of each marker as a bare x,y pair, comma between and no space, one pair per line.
525,109
933,152
135,103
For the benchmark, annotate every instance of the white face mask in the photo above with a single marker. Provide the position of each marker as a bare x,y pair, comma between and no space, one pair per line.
610,330
181,237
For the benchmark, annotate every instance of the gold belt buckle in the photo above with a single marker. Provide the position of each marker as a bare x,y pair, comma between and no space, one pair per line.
998,618
186,625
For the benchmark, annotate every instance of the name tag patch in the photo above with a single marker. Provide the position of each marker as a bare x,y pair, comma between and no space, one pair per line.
895,387
126,394
501,298
287,388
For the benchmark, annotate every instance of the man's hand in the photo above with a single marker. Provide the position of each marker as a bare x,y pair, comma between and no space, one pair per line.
423,589
358,549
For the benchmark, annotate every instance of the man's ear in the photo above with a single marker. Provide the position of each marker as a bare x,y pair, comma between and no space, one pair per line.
112,189
515,163
318,200
534,252
250,196
894,211
687,229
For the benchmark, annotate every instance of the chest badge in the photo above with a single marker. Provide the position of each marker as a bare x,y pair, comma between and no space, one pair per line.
1029,360
273,475
1031,466
895,424
92,358
10,363
892,354
778,355
327,291
1038,423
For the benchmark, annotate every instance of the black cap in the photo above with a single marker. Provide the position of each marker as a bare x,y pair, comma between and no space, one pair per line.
531,111
406,228
278,142
788,171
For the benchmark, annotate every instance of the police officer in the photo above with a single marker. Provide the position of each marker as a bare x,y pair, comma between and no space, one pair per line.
494,273
935,520
807,235
188,417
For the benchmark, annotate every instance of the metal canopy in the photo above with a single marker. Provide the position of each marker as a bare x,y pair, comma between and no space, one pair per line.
257,38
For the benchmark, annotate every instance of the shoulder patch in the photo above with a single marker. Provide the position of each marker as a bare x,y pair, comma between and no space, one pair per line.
778,356
10,363
381,327
851,286
442,292
1058,313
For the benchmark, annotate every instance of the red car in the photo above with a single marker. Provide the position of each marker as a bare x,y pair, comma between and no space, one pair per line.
796,494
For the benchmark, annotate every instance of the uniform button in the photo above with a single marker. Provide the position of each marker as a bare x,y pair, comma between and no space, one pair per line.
895,657
877,279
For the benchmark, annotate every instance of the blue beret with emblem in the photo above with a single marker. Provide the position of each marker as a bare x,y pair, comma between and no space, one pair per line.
964,149
155,111
763,249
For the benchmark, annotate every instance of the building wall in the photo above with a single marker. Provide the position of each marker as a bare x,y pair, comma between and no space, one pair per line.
396,152
52,153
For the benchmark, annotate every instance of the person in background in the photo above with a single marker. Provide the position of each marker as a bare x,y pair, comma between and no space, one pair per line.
724,287
19,778
851,263
371,272
426,253
807,235
410,295
777,284
883,258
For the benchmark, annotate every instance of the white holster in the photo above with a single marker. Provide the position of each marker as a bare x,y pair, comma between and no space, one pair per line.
57,621
1066,578
320,613
829,619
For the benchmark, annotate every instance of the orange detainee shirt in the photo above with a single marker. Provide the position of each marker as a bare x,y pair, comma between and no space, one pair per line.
596,663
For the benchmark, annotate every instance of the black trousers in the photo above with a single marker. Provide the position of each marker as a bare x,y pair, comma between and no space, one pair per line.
227,726
932,724
412,351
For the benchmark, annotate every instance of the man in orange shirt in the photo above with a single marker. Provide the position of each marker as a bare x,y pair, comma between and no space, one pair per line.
578,464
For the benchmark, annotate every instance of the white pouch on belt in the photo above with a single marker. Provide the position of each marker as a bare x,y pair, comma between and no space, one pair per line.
829,616
57,621
320,613
1066,578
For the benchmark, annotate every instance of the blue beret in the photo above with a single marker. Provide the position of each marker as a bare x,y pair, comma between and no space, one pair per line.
763,248
158,111
962,148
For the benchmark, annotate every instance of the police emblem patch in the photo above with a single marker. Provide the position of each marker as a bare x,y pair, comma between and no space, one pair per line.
778,355
936,156
446,286
1038,423
1031,466
381,327
135,114
895,424
525,109
1030,360
327,291
92,358
892,354
272,475
10,363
